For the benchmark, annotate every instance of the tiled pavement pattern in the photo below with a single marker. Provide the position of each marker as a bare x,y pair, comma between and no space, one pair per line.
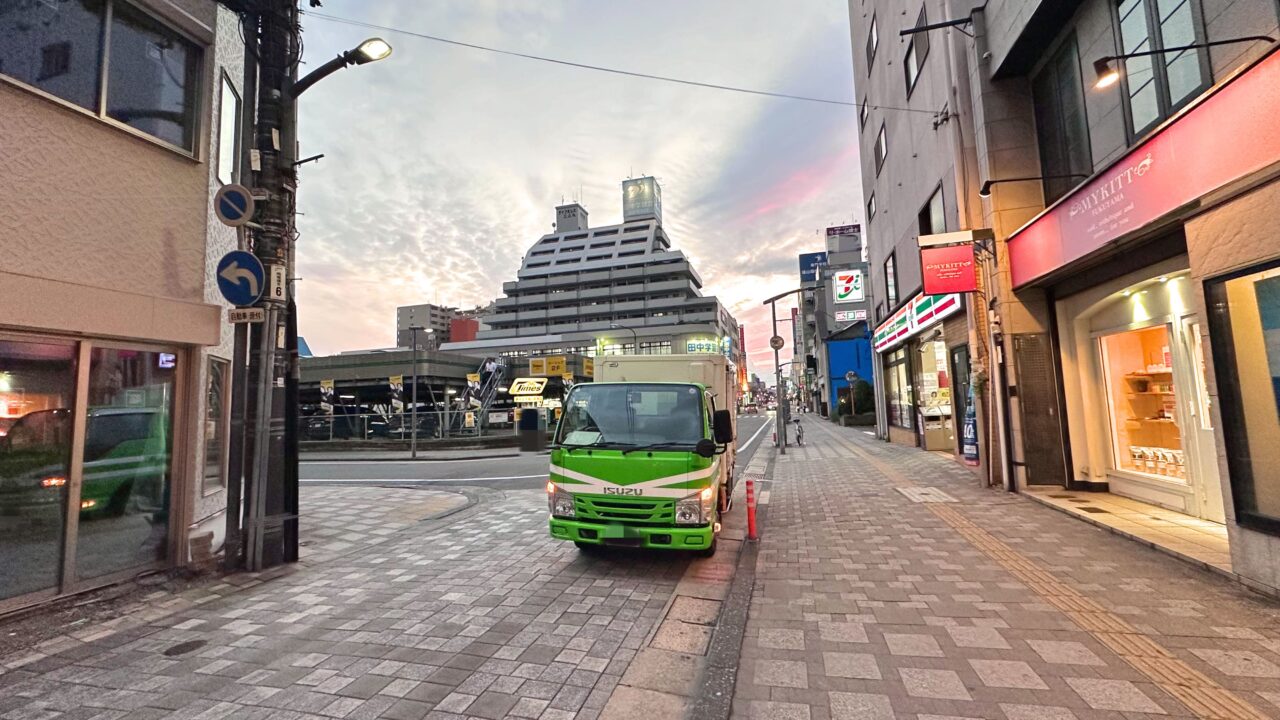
337,520
478,616
868,605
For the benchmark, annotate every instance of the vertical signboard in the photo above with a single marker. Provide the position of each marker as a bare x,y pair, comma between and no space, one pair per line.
847,287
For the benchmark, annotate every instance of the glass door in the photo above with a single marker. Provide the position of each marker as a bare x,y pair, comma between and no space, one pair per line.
1201,442
1146,436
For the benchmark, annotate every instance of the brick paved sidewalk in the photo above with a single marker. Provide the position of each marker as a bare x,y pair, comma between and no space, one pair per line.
870,605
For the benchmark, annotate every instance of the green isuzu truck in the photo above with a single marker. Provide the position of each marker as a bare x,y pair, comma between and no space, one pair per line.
643,457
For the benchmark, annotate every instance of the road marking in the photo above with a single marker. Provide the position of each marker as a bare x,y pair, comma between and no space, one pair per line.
753,437
405,462
419,480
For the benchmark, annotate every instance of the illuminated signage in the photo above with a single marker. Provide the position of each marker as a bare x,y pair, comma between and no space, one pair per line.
921,312
847,286
556,365
528,386
702,345
589,367
844,230
850,315
809,264
948,269
537,366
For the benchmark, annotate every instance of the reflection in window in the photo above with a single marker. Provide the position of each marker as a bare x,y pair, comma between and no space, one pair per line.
152,77
217,403
1245,327
1159,85
228,132
55,46
37,390
124,498
898,390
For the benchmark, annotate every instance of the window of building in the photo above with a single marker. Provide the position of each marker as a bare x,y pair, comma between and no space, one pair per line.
634,241
882,148
655,347
550,240
932,218
873,42
575,237
567,261
228,132
152,77
602,244
537,253
1245,331
1158,85
604,233
572,248
217,415
891,280
152,71
1062,131
917,51
630,253
862,115
539,264
898,390
598,257
871,207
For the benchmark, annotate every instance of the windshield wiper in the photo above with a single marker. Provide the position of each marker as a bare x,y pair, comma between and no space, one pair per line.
601,443
654,446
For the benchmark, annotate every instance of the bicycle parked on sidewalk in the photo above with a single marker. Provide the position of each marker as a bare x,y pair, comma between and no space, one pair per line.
799,432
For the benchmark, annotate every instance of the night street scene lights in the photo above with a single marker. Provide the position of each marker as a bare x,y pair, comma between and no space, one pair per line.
371,50
1108,74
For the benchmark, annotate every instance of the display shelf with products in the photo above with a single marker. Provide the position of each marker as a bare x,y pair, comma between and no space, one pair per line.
1146,436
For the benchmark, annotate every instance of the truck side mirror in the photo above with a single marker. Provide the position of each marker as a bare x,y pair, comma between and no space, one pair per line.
706,448
722,427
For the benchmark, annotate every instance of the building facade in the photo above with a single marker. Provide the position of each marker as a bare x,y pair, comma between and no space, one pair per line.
603,290
435,322
114,357
1133,279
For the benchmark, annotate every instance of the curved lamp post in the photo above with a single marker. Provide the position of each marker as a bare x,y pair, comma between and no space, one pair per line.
370,50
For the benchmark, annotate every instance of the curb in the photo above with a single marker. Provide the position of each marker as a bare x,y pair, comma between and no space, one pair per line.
715,689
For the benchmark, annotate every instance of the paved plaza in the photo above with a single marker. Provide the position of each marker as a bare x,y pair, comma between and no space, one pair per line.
886,585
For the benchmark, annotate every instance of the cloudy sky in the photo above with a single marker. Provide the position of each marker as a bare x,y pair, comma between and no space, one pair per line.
444,164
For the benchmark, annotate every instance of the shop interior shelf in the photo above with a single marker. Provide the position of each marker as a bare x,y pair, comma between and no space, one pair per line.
1150,420
1149,392
1141,375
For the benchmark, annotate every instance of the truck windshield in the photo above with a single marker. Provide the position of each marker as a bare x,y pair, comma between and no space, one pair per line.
632,414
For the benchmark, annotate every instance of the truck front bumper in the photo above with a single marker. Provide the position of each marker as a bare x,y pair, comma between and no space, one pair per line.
664,538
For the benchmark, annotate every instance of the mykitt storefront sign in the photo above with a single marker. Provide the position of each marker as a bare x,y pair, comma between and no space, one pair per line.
1228,135
921,312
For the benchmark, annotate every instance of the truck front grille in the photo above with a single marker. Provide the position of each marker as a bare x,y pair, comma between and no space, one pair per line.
632,511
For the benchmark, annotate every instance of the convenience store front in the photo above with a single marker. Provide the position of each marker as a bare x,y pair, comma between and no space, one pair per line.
917,374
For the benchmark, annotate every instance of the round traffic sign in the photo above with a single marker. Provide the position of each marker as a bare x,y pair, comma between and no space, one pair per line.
233,204
776,342
241,278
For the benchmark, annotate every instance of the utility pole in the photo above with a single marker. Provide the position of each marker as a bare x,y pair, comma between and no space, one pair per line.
267,498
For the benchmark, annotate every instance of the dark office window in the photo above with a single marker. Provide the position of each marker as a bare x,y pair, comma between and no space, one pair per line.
871,207
873,42
1061,128
862,116
881,149
57,48
932,218
1158,85
152,77
891,280
917,51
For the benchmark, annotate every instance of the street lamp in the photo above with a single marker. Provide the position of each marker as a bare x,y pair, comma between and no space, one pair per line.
1109,74
413,442
370,50
635,339
985,190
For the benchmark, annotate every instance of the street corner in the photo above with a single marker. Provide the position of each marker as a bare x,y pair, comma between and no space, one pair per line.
337,520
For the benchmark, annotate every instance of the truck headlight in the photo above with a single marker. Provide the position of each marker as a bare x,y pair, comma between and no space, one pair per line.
695,509
559,502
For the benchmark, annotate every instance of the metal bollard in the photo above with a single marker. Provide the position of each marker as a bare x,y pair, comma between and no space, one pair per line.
751,509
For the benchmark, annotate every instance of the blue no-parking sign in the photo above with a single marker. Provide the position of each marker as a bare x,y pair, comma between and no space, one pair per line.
241,278
233,204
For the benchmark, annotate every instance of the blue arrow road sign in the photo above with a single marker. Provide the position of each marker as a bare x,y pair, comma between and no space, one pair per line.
233,204
241,278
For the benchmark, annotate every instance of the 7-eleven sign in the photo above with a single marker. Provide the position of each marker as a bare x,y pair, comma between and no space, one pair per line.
847,286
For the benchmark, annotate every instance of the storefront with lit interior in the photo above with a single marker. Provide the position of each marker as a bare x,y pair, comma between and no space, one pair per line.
917,374
1162,274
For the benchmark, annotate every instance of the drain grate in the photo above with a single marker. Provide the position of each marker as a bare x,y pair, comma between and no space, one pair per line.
183,648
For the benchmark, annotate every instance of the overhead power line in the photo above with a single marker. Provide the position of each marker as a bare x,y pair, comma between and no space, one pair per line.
615,71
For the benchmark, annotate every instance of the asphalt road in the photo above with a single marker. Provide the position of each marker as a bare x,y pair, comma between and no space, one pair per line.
528,470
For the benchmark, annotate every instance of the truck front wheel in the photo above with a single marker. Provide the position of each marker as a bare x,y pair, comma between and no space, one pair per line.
708,551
